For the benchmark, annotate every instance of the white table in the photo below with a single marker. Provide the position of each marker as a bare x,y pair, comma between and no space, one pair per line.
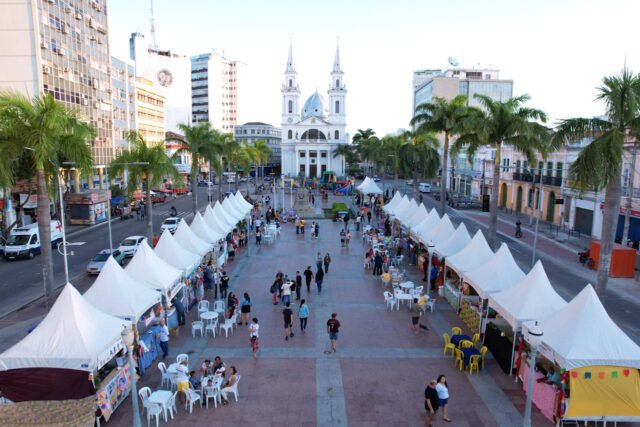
217,383
405,297
209,315
406,285
162,398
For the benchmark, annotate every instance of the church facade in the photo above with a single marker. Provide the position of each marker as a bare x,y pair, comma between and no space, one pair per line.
311,133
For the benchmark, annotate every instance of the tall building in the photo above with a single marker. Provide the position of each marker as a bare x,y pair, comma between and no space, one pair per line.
123,82
312,133
150,111
214,91
61,48
254,131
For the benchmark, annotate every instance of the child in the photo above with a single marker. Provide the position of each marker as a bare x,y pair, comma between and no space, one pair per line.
195,383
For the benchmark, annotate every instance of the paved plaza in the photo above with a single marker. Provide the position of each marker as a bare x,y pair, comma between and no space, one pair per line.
376,378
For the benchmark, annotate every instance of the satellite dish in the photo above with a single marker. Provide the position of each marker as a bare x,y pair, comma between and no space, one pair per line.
453,61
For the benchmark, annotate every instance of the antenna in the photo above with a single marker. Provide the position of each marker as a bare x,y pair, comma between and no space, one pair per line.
153,28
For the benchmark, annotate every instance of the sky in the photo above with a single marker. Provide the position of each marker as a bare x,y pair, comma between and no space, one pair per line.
557,51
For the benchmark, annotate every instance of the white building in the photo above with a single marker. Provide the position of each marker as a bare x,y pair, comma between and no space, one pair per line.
311,134
255,131
123,82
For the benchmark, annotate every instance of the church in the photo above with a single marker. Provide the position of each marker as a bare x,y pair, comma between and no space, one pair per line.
311,134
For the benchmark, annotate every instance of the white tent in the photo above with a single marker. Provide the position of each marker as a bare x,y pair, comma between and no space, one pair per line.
173,254
476,253
73,335
441,232
203,231
401,206
532,298
188,240
242,201
582,334
231,210
216,223
496,274
364,181
235,201
417,216
369,186
389,207
147,268
405,214
223,216
426,224
455,243
116,293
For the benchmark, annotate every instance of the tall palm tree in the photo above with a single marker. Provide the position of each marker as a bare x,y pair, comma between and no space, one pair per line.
196,142
599,164
363,140
501,123
260,155
448,118
147,164
370,150
223,145
394,154
43,133
421,157
350,155
239,157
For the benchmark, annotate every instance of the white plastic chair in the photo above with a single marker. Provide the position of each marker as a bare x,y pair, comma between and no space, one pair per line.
192,397
144,394
182,358
219,306
431,303
212,392
171,405
197,325
234,388
227,325
153,410
398,260
212,326
203,307
173,380
165,375
389,300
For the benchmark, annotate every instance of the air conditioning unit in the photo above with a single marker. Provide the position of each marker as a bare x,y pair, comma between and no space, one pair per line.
60,51
109,91
52,1
64,29
85,101
68,9
44,45
94,83
78,16
92,23
96,105
66,69
46,69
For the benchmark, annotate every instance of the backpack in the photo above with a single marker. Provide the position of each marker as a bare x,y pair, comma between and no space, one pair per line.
272,289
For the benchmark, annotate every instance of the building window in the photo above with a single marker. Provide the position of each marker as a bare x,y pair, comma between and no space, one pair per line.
517,166
549,169
290,134
313,154
323,154
303,154
338,83
290,82
559,167
337,107
290,106
540,168
336,135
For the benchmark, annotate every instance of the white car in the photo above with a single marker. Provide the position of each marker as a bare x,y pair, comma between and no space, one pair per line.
376,178
409,182
424,187
97,262
170,224
129,246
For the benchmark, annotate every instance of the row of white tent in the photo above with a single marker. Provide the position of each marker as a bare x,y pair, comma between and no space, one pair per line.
369,186
576,334
84,332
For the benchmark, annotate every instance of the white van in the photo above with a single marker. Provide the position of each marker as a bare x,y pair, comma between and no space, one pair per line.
424,187
24,242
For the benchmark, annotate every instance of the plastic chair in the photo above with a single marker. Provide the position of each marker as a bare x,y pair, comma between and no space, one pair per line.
192,397
198,325
165,375
211,326
173,379
389,300
459,359
456,330
153,410
227,325
211,392
483,351
234,318
182,358
219,306
474,363
203,307
144,394
448,344
466,344
431,303
475,339
398,260
234,388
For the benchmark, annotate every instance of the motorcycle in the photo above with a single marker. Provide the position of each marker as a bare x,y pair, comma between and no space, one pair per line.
518,229
173,211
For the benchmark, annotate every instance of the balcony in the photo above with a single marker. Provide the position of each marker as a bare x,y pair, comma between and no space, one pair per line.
524,176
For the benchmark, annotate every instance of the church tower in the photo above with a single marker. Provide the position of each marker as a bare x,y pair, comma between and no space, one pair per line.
337,93
290,95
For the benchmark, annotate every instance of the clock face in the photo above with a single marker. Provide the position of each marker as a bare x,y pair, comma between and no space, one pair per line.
165,78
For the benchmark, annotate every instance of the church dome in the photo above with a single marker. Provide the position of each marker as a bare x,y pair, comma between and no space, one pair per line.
315,107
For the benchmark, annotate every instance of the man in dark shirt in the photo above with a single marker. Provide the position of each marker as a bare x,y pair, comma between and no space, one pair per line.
431,403
308,276
333,327
298,285
288,318
224,284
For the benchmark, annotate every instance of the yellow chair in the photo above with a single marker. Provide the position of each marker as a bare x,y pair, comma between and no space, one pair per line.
483,351
448,344
466,344
474,363
456,331
475,339
459,359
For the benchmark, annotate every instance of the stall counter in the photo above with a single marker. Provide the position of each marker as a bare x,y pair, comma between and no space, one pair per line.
451,294
544,395
113,390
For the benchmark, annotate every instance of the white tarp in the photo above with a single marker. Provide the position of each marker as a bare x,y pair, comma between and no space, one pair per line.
496,274
438,234
455,243
242,201
369,186
173,254
216,223
389,207
73,335
202,230
231,210
223,216
476,253
407,212
417,216
116,293
235,201
188,240
401,207
427,224
582,334
531,299
147,268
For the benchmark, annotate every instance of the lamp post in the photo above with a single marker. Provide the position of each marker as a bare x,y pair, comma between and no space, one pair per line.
430,247
535,337
535,236
128,337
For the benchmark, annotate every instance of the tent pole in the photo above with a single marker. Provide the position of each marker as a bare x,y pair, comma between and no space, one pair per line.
513,350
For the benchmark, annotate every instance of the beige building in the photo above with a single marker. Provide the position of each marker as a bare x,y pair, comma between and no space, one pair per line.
62,48
150,111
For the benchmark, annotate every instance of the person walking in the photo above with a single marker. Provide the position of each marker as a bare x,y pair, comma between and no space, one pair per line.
357,221
288,318
442,388
224,285
342,238
245,309
377,264
254,336
298,285
368,217
347,238
275,289
317,230
434,276
431,403
416,312
164,338
301,226
303,315
308,276
286,292
297,223
319,278
333,328
319,261
327,261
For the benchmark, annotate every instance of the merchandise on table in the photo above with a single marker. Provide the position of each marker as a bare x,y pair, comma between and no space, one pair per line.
113,390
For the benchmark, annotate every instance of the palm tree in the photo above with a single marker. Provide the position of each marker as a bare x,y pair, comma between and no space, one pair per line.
442,116
43,133
260,155
394,149
501,123
421,158
363,140
370,151
144,163
350,155
599,164
239,157
223,145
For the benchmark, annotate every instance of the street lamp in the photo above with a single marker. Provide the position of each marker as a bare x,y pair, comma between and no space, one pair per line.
128,337
106,169
430,247
535,337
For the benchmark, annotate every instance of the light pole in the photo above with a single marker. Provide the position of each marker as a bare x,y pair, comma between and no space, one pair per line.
535,337
430,247
128,337
535,236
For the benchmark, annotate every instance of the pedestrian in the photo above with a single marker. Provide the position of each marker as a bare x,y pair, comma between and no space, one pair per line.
254,336
224,285
275,288
155,240
425,267
431,403
245,309
333,328
313,200
179,310
443,397
303,315
286,292
357,221
342,238
317,230
368,217
377,264
298,285
138,212
301,226
319,261
288,318
327,261
164,338
259,236
257,223
434,277
297,223
142,211
319,278
182,371
232,303
308,275
416,312
347,237
346,221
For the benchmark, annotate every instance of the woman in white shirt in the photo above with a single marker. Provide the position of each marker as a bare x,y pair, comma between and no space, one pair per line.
229,385
442,388
254,336
183,379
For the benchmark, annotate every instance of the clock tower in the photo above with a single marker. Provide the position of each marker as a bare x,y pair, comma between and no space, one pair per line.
290,99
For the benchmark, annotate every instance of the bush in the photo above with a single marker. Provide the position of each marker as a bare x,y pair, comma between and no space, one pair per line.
338,207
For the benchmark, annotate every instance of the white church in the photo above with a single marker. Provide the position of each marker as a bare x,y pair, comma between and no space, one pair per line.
310,135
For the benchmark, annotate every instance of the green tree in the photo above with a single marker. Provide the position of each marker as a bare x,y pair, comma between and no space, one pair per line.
42,133
147,164
501,123
365,141
600,163
260,155
350,155
447,117
421,158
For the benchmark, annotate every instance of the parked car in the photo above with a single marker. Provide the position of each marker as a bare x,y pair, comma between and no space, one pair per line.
129,246
243,179
98,261
424,187
157,197
205,183
409,182
376,178
170,224
268,178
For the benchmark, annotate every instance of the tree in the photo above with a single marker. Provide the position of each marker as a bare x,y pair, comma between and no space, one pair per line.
147,164
215,155
365,141
197,140
501,123
350,155
260,155
599,164
421,157
43,133
442,116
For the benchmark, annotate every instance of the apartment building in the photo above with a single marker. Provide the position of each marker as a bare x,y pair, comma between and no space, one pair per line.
150,111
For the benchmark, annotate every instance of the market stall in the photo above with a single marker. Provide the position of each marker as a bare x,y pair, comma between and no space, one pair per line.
242,201
188,240
175,255
425,225
216,223
237,203
231,210
222,215
203,231
404,214
393,203
439,233
455,243
369,186
417,217
147,268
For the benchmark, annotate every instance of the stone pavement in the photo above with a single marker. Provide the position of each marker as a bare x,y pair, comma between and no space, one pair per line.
376,378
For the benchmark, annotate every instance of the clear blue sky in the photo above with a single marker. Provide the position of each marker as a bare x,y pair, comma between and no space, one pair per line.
556,51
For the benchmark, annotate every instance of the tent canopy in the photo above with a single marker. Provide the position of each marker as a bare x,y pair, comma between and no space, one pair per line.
203,231
231,210
173,254
532,298
427,224
417,216
389,207
73,335
185,237
147,268
242,201
369,186
408,211
455,243
223,216
235,201
476,253
401,207
217,224
498,273
441,232
582,334
116,293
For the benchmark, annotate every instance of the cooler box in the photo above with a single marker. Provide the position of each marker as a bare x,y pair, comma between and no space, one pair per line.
623,259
